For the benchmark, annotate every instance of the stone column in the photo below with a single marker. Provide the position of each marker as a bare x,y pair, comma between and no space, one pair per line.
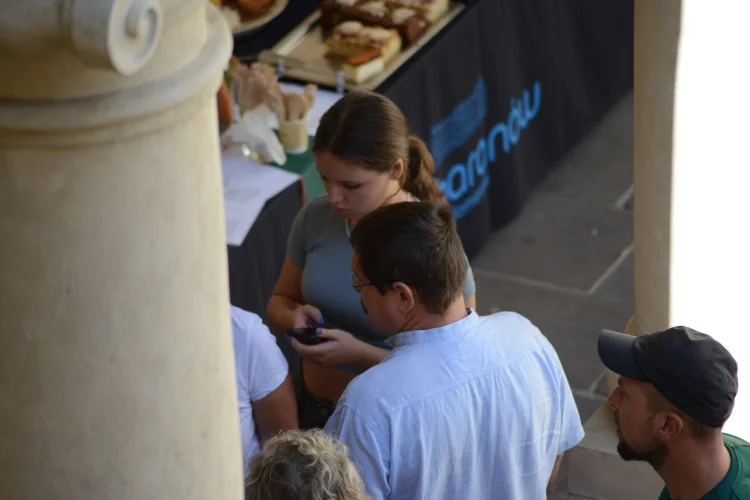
691,210
116,364
692,216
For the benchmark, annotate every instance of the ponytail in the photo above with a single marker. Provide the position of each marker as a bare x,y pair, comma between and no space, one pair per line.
420,173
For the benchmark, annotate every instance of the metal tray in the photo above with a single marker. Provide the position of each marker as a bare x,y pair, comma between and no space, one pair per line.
302,54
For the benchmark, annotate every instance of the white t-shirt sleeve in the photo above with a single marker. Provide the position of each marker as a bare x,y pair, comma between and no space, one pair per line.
266,365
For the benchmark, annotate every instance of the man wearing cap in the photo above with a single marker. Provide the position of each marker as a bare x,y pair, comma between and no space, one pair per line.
675,391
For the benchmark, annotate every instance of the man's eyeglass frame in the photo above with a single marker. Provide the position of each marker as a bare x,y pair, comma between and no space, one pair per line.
359,286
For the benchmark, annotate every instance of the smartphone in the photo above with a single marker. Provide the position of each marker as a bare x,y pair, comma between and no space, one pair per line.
314,324
306,336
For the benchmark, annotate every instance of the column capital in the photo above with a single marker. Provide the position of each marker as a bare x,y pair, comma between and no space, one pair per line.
121,71
116,35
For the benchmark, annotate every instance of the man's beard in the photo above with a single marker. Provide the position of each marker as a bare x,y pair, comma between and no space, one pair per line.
655,455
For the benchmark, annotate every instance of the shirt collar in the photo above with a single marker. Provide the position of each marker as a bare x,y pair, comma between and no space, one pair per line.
435,335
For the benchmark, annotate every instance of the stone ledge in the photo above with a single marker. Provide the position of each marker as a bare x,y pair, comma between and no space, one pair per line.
596,471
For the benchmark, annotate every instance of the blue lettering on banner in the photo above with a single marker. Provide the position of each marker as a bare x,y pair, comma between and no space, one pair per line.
465,183
453,131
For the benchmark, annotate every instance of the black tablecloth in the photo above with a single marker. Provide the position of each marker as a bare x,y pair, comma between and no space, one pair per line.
502,94
255,266
509,89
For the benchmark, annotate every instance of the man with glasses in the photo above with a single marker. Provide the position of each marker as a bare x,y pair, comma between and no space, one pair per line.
464,406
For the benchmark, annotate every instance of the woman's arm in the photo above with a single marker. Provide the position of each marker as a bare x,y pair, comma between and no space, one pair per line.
286,300
276,412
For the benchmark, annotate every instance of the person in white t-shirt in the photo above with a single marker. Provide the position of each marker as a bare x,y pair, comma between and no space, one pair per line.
265,394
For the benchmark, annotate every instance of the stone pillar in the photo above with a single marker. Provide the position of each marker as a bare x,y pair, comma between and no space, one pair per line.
116,364
709,264
692,217
691,210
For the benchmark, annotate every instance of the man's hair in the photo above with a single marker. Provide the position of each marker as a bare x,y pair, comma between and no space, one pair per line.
303,465
415,243
699,431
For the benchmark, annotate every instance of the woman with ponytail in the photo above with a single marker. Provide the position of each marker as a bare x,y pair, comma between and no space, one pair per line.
367,159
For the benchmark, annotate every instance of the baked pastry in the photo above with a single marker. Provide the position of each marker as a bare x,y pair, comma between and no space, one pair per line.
362,67
351,39
374,8
409,23
329,12
366,49
431,9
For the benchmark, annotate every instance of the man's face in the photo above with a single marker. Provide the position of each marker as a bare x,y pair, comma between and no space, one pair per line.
386,311
637,425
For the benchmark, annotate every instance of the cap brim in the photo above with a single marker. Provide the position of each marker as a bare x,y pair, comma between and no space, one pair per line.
616,352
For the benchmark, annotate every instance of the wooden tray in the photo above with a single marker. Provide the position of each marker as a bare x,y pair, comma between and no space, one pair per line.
302,54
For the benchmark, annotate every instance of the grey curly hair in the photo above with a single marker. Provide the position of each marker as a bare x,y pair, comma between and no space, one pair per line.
303,465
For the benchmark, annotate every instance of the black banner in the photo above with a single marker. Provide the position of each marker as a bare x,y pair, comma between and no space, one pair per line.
506,91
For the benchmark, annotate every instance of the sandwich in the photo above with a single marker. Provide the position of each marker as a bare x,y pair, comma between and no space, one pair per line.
432,10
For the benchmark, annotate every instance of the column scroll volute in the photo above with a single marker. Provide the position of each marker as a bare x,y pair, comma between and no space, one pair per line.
69,49
117,35
120,35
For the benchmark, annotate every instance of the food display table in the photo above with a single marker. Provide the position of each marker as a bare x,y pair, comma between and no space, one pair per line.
501,94
255,265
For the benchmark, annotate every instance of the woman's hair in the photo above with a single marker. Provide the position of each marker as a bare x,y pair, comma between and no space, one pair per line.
303,465
369,130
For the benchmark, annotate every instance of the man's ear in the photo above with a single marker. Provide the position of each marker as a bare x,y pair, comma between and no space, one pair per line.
407,299
669,425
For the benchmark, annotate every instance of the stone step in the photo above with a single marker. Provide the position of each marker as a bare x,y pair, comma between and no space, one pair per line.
596,471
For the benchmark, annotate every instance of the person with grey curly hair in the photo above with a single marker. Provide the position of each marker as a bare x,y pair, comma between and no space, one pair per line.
303,465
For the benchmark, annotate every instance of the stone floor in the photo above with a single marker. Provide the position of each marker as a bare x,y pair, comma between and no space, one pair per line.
567,262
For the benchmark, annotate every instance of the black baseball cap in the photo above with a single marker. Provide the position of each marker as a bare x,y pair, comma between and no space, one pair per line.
690,369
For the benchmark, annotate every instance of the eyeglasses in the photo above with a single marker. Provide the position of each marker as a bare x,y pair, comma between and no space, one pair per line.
359,286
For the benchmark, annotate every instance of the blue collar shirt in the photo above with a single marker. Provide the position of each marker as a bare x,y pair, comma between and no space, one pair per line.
476,409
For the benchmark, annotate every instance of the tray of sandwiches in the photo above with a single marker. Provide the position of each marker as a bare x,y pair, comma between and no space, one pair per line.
357,44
